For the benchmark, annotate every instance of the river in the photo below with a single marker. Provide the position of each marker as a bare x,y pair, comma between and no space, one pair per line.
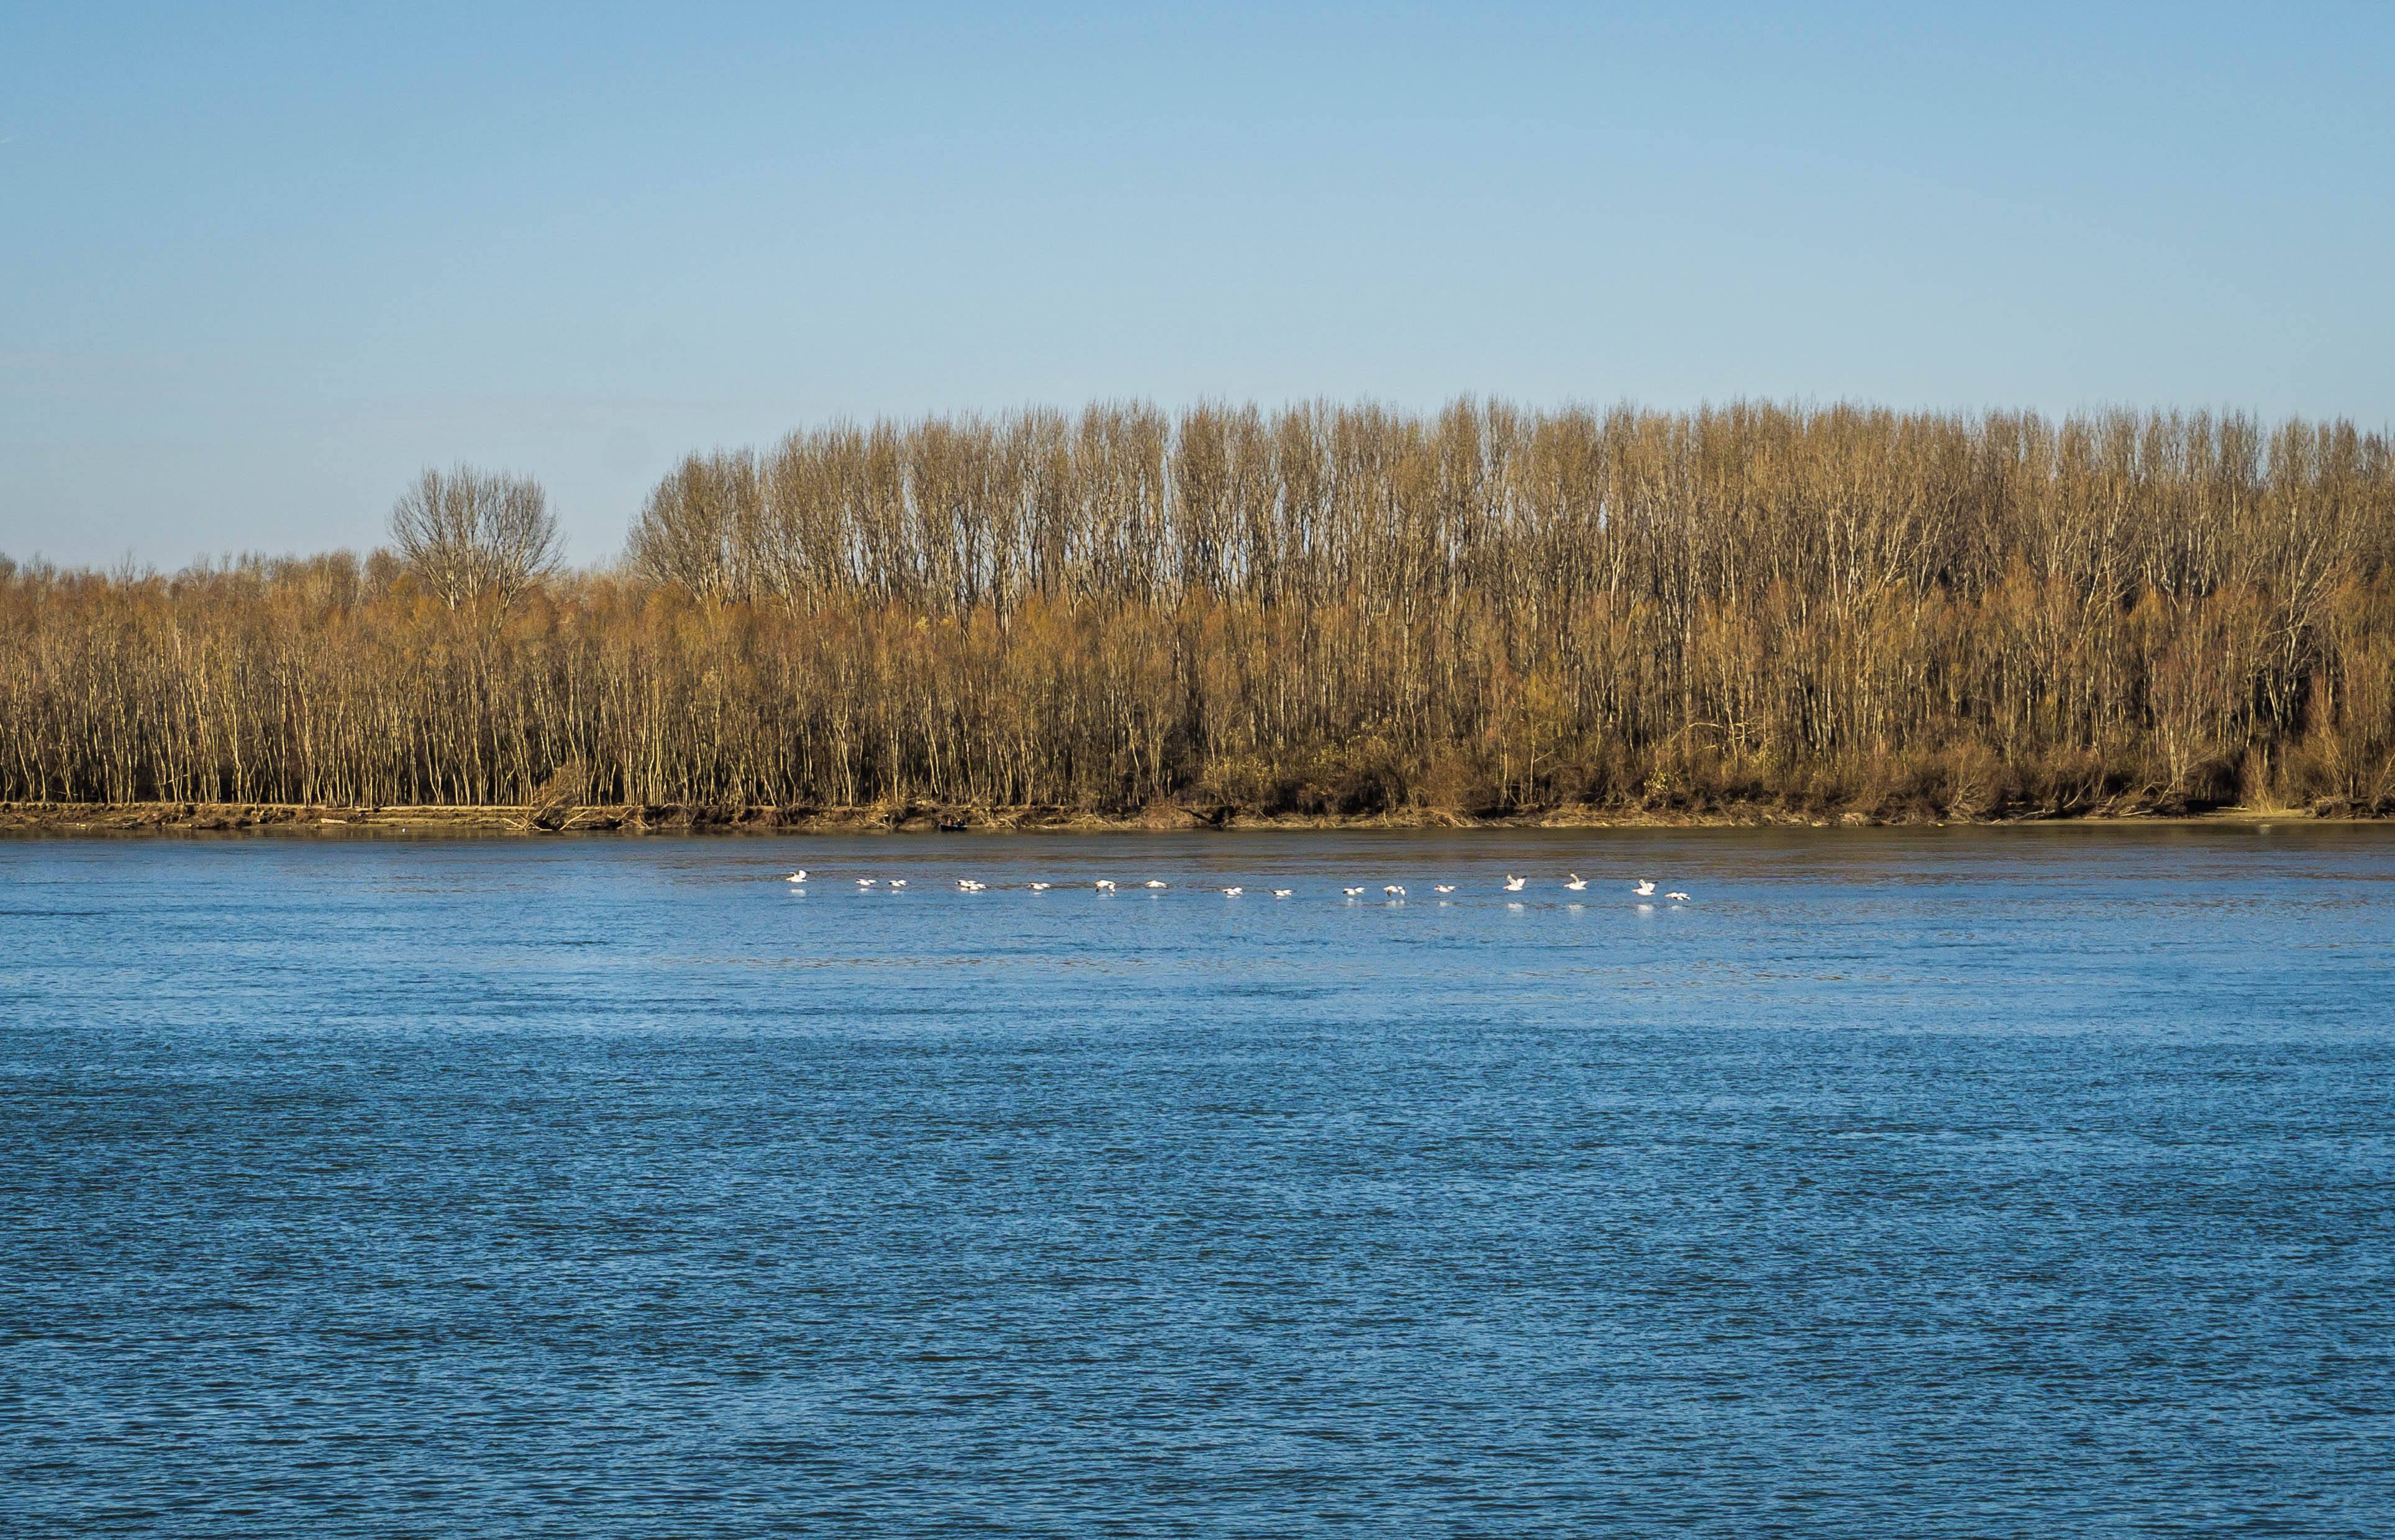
2025,1181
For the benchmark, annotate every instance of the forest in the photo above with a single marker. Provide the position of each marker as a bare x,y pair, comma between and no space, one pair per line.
1750,609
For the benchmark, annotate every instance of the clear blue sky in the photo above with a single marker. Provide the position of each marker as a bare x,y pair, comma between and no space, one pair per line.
257,264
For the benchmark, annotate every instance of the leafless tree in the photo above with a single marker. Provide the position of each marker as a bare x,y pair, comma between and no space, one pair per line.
1318,607
464,532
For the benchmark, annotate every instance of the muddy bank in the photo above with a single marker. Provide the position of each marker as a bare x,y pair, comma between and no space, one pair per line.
83,818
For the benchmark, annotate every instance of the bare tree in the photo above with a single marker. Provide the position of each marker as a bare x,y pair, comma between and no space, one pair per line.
703,527
1320,608
464,533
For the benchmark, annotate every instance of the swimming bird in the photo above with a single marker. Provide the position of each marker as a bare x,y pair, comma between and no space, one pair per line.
1444,888
865,882
1283,892
1677,897
1577,883
1351,892
799,876
1513,884
1233,892
1645,888
897,882
1105,885
1040,888
1153,883
1392,891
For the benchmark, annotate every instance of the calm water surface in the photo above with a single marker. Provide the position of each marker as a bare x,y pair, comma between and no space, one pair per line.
2022,1182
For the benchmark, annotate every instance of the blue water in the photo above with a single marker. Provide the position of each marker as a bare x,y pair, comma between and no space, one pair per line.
2024,1182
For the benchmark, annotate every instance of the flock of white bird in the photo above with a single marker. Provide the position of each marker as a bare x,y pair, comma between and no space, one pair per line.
1644,887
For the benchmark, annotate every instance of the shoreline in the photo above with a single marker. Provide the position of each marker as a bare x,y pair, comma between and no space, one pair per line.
163,818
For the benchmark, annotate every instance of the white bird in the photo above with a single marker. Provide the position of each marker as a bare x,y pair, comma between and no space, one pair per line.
1645,888
1040,888
1283,892
1577,883
799,876
1513,884
1677,897
897,882
1105,885
1351,892
963,885
1233,892
1444,888
865,882
1393,891
1153,883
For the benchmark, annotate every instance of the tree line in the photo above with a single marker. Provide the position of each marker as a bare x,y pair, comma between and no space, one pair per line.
1323,609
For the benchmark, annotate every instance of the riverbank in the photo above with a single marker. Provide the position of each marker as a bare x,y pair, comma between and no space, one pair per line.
85,818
